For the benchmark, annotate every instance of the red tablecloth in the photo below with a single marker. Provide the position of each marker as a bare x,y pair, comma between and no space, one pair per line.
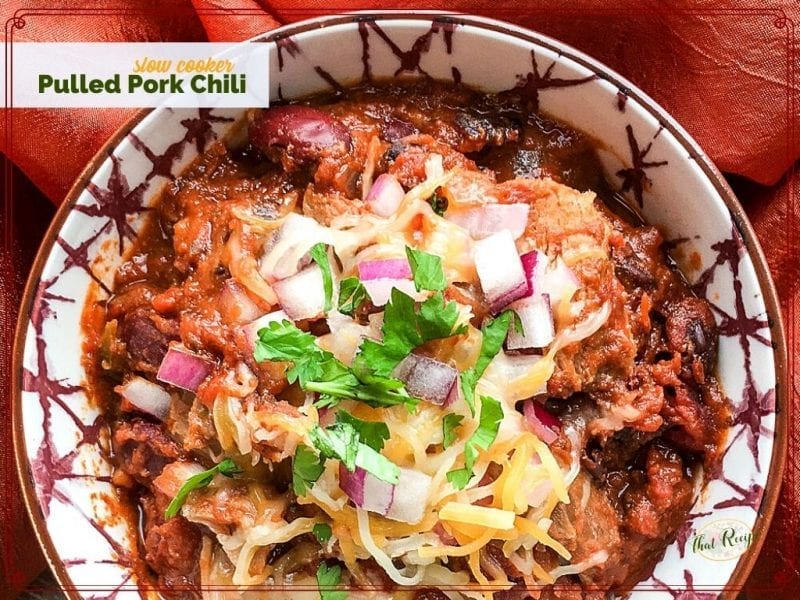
725,71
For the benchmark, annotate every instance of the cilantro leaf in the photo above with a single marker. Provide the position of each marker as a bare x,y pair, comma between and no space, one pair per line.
327,580
338,441
427,270
481,439
494,334
322,531
450,423
405,328
282,341
377,464
319,254
437,319
306,469
351,294
227,468
341,441
319,371
369,432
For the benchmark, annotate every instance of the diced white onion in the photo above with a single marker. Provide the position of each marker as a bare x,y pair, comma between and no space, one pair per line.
146,396
365,490
410,497
500,270
536,318
302,296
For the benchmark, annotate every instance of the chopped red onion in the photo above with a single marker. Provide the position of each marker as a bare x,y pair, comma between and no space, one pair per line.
500,270
389,268
428,379
536,318
302,296
541,422
146,396
534,263
385,195
483,221
380,290
411,496
365,490
235,305
184,369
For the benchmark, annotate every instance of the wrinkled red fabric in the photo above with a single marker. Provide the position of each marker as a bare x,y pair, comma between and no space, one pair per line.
724,70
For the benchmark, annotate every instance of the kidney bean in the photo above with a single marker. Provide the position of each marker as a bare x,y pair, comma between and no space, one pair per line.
300,133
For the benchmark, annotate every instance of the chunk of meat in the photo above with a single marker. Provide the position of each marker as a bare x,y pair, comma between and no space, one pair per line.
691,330
589,524
172,551
324,208
654,508
142,449
146,335
639,259
232,505
616,453
408,164
691,420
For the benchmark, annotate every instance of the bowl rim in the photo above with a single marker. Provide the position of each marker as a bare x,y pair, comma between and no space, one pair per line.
742,223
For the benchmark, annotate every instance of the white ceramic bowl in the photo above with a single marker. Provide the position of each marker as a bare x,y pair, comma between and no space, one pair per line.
61,437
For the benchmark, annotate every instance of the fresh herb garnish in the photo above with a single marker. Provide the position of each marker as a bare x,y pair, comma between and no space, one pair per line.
327,580
426,270
438,203
306,469
351,294
317,370
450,423
405,328
372,433
481,439
227,468
319,254
322,531
341,441
494,334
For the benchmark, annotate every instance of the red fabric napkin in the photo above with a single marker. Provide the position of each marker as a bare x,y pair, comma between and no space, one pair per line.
725,71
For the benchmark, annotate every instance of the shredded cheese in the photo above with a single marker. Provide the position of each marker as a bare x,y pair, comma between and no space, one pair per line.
478,515
380,556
